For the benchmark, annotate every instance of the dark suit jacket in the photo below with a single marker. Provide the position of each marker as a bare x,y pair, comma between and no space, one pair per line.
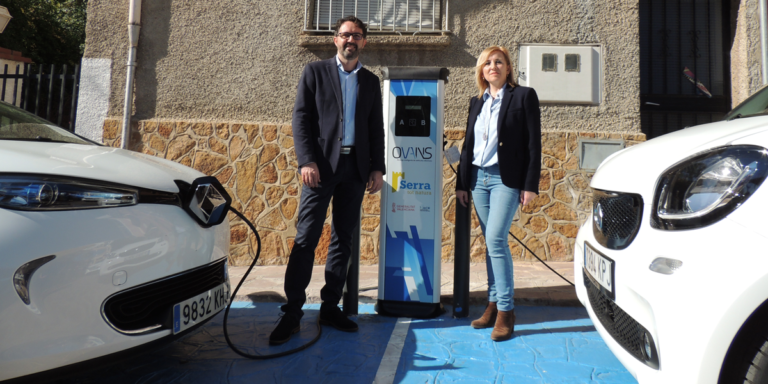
519,148
318,119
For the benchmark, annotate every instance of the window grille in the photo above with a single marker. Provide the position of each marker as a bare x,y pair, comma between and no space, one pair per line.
381,16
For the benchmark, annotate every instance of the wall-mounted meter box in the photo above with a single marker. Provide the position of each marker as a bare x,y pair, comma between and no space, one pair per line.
562,73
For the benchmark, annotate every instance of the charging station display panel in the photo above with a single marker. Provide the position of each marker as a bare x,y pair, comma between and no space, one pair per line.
412,115
413,198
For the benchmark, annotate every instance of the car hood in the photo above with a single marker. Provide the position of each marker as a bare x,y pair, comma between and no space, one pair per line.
93,162
636,169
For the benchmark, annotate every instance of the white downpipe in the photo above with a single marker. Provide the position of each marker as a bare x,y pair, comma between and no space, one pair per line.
134,25
764,37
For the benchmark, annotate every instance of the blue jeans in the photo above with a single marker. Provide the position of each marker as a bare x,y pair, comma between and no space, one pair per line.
487,192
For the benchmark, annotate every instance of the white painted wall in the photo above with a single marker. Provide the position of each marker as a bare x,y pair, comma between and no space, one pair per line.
93,99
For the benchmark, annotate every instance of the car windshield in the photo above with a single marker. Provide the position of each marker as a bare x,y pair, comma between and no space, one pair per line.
17,124
755,105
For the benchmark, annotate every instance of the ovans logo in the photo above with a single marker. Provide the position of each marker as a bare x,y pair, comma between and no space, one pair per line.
412,153
399,183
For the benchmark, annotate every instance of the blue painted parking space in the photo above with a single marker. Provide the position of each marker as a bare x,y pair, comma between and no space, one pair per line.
550,345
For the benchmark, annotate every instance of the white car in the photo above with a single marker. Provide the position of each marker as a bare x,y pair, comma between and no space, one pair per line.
102,250
672,263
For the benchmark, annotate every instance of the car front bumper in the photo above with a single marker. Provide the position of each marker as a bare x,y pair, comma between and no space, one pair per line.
98,253
693,314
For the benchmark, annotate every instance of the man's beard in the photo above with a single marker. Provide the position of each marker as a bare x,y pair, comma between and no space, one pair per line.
351,54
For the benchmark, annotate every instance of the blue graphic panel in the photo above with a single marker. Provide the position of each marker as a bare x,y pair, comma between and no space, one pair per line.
408,269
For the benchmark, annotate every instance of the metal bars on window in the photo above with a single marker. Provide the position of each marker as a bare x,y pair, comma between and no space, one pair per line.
45,90
381,16
680,34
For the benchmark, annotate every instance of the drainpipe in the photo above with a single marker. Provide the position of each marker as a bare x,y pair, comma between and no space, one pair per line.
764,37
134,24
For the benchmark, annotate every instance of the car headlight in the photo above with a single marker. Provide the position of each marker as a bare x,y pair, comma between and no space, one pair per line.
703,189
48,193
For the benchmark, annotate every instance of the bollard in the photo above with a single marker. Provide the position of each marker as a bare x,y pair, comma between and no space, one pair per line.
461,260
352,286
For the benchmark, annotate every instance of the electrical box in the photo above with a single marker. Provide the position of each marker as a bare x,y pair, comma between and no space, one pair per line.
562,73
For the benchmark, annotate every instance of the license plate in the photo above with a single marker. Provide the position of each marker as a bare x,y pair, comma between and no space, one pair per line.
600,269
194,310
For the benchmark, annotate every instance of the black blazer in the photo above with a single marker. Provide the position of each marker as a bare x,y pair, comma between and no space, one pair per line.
519,148
318,119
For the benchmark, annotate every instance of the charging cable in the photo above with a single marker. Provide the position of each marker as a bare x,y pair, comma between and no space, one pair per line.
445,142
234,293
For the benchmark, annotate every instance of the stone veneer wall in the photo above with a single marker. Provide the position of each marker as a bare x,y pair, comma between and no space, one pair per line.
257,165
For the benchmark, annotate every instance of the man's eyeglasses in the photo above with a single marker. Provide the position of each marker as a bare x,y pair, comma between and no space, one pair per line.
355,36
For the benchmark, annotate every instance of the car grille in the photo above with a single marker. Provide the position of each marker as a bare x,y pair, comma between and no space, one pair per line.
621,326
147,308
616,218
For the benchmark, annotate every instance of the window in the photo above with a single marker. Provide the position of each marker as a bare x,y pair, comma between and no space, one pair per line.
549,62
572,62
382,16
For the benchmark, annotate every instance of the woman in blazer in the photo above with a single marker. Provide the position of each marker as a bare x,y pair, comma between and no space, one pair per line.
501,166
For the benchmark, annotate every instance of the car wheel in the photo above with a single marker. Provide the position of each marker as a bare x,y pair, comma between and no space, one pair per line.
758,368
747,358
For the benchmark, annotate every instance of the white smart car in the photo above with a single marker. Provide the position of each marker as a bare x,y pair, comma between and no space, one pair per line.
102,250
672,263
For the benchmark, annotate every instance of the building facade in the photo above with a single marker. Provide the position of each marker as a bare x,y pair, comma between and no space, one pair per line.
216,81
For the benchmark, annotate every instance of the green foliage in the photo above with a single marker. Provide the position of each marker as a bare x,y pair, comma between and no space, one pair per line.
46,31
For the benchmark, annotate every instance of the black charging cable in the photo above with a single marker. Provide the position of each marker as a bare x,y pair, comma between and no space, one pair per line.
232,299
518,240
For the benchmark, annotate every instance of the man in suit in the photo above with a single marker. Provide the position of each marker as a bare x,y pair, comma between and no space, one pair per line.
338,133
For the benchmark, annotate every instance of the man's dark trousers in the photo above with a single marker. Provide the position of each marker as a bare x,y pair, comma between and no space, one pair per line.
347,190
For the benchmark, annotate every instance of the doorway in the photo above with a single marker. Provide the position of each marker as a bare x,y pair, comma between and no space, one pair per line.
684,64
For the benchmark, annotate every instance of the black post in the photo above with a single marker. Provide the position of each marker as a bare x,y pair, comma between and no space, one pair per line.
26,83
352,287
5,77
39,84
61,96
15,85
75,94
461,260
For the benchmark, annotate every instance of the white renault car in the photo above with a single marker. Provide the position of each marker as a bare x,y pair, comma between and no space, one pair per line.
672,264
102,250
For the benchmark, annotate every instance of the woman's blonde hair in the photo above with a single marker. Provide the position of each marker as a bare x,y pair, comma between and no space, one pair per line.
481,83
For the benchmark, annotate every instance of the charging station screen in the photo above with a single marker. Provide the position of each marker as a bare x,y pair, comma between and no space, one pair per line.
412,115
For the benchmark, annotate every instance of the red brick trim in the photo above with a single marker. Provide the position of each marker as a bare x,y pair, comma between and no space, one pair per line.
7,54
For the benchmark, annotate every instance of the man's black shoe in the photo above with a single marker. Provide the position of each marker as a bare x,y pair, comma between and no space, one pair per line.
283,332
333,316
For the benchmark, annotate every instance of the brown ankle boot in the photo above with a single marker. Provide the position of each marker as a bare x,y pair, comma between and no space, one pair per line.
488,318
505,325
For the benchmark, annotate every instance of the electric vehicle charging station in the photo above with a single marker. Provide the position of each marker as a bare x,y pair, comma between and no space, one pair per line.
411,200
